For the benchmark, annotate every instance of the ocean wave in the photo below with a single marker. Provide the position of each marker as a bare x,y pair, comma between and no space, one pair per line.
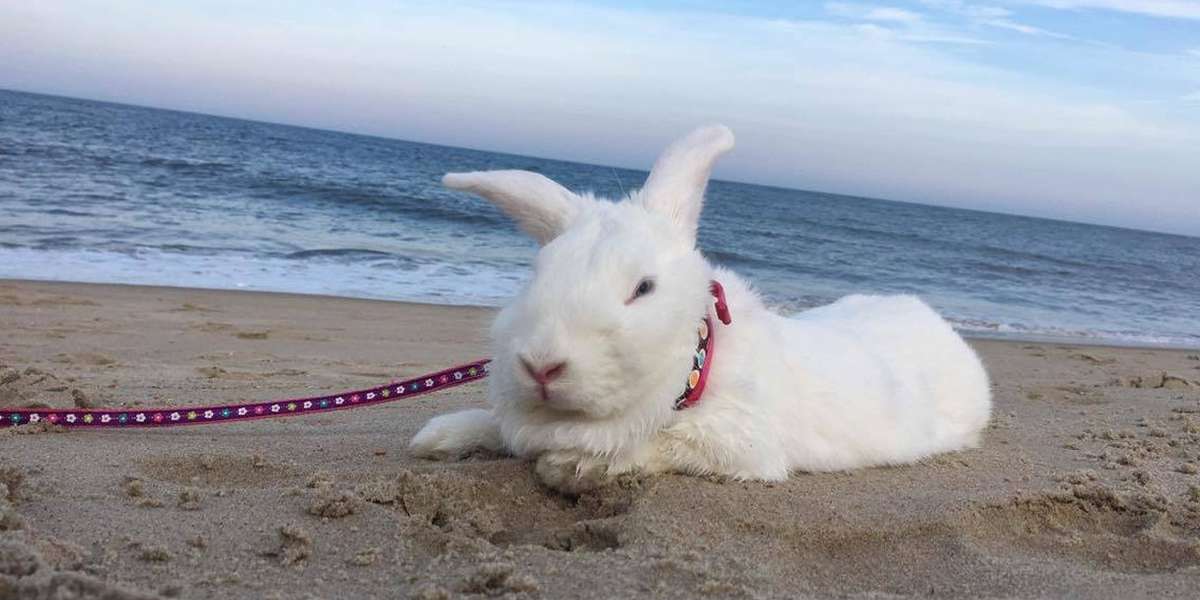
861,231
184,164
65,212
338,253
467,283
378,199
1049,333
732,259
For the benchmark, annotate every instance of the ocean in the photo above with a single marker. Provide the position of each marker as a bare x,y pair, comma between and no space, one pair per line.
109,193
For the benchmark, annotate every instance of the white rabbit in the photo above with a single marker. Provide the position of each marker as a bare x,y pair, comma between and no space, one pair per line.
592,355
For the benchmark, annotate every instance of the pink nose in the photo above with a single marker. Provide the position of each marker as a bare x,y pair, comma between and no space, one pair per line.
546,373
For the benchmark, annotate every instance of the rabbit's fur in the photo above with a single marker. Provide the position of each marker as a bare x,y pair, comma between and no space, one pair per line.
867,380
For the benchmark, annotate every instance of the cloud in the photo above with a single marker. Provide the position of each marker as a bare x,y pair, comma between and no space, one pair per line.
899,25
1192,97
983,12
1177,9
1022,28
991,16
892,14
880,33
873,13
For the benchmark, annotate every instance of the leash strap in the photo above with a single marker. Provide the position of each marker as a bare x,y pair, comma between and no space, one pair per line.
224,413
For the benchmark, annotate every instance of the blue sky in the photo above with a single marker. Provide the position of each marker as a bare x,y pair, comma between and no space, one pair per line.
1079,109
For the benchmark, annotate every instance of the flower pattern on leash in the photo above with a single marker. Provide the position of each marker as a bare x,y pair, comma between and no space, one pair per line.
249,410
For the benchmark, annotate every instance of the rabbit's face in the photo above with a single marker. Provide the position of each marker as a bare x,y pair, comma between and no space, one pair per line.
609,320
610,314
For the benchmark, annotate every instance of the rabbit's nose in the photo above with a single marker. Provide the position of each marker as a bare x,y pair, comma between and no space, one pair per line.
544,373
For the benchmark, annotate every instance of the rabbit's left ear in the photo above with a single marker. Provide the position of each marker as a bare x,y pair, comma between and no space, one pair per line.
539,205
676,184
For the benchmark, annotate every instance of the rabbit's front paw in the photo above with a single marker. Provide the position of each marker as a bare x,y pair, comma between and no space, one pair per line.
456,435
571,471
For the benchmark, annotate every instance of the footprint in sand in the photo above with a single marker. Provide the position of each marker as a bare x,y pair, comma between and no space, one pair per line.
1072,394
1090,525
94,359
518,512
211,327
62,301
215,372
1093,359
1160,380
189,307
216,470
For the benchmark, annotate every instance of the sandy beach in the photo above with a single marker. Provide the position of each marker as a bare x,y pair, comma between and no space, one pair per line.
1086,485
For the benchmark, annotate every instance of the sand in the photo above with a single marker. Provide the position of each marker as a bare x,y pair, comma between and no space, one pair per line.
1086,484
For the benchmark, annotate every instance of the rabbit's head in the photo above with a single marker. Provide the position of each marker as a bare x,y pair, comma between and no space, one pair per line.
609,320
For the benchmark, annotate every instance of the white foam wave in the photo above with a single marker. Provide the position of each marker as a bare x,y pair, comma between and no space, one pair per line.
435,282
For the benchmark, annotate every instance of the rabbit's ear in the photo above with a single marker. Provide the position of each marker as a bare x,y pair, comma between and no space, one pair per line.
541,207
676,184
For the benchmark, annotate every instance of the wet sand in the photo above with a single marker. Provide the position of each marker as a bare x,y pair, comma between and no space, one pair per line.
1086,484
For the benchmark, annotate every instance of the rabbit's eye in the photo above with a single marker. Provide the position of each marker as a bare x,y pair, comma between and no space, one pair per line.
643,288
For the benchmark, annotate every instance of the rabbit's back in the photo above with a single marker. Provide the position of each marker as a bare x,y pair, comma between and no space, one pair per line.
877,380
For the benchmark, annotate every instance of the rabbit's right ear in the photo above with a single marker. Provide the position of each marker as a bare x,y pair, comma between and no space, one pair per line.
540,206
675,187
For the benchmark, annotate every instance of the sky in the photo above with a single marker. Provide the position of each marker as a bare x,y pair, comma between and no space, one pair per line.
1085,110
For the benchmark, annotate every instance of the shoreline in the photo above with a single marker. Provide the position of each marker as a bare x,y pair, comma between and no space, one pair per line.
1098,342
1086,484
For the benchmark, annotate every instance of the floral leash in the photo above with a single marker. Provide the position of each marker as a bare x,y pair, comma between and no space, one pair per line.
224,413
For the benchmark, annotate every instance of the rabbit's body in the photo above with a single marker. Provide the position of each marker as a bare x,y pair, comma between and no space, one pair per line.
867,380
586,372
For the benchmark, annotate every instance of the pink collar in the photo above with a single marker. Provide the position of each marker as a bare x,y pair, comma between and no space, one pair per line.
702,359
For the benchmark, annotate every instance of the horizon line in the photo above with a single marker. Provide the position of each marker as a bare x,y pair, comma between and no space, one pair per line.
578,162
